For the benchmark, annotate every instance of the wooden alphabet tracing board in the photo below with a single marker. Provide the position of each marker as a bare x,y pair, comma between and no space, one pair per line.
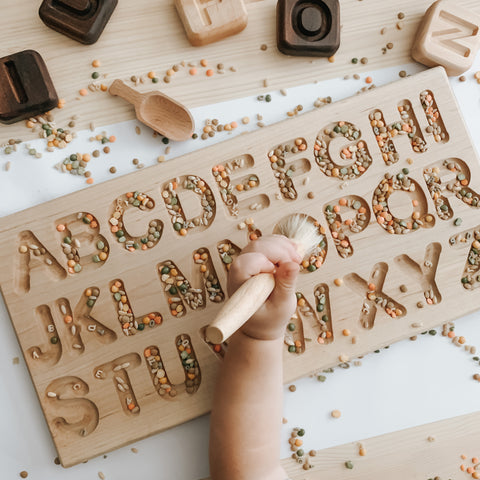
109,289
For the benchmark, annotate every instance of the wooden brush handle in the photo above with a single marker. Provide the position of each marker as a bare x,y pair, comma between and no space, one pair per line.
240,307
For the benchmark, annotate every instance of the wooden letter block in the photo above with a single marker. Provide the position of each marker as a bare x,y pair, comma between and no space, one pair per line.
207,21
448,36
26,89
81,20
308,27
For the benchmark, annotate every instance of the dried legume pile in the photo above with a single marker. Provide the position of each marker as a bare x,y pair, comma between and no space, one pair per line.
174,207
356,152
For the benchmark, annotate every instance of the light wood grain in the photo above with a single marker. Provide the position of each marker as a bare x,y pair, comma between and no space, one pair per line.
404,454
28,283
148,35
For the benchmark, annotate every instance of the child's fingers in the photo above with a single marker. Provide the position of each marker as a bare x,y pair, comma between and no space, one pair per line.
285,283
278,249
247,265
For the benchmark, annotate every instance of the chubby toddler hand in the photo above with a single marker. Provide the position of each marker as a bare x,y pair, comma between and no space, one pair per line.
270,254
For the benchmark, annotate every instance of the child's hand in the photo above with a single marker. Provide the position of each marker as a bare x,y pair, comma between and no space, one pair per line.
271,254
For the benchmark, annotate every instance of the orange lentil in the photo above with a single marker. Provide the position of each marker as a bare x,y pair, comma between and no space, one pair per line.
298,442
463,468
217,348
60,227
461,340
90,180
209,72
112,138
372,286
298,343
96,63
346,332
301,302
151,75
338,282
253,236
83,92
131,406
369,80
470,470
239,187
193,71
234,124
147,352
475,460
183,232
329,335
68,318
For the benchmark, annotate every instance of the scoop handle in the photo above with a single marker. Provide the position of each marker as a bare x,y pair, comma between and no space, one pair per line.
240,307
129,94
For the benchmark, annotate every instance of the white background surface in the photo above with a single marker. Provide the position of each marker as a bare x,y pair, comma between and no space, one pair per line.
411,383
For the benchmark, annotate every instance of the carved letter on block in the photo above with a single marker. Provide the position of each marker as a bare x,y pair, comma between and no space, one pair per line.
448,36
207,21
308,27
81,20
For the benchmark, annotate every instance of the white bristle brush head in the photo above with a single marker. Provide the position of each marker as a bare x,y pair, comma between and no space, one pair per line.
300,230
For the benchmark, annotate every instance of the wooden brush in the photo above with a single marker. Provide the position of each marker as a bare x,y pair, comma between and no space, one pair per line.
253,293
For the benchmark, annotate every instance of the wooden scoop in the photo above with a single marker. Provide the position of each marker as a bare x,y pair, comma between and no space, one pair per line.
157,111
